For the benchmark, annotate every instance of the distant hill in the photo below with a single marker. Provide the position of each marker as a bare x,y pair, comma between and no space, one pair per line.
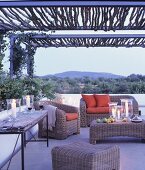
79,74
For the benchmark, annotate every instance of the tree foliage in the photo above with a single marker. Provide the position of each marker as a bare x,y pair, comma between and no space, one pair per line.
16,88
133,84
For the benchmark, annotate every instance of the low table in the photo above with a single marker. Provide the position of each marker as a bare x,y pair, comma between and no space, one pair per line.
99,131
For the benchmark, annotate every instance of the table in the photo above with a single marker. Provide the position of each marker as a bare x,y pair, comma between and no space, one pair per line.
99,131
23,123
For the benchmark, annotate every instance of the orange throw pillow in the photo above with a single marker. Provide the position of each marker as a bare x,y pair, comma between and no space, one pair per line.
102,100
71,116
90,100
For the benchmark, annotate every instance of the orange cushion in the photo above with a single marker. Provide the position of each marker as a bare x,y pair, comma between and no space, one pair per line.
98,110
71,116
90,100
102,100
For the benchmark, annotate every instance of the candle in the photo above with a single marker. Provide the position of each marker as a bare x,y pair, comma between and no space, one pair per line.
126,108
28,101
13,105
118,114
113,112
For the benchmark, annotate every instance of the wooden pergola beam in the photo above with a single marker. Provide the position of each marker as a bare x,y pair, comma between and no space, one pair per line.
88,40
40,36
70,3
72,15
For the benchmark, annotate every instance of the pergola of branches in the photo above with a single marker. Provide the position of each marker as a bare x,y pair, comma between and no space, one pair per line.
74,15
89,40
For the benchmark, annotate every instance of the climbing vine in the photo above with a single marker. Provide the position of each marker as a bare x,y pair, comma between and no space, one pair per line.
30,54
18,59
3,47
23,55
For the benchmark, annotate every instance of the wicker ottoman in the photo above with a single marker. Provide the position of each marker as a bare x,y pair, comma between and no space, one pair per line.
85,156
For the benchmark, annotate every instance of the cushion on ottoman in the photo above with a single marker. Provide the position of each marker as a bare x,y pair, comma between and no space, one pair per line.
84,156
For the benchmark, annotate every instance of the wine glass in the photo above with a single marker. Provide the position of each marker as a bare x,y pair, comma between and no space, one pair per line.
30,108
40,105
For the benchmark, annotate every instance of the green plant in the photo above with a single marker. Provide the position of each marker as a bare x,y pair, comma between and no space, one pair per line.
18,59
11,88
38,88
16,88
31,86
47,90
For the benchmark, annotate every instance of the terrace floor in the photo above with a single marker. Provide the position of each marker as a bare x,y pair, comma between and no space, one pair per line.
38,156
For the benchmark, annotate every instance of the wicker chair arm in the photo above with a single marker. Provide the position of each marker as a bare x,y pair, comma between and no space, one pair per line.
66,108
60,123
83,112
82,105
60,117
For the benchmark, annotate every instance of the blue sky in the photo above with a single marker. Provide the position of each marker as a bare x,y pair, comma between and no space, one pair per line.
121,61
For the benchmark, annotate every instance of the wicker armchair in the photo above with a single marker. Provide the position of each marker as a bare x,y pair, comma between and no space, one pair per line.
86,119
63,128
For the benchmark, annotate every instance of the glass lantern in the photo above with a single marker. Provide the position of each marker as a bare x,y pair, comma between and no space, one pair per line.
113,109
18,105
127,107
119,112
28,101
11,108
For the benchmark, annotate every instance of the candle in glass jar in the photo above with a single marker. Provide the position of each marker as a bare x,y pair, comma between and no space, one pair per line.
118,114
28,100
13,105
113,112
126,108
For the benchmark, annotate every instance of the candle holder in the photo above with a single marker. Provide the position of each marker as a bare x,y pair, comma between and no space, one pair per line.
11,108
28,101
119,112
127,107
113,109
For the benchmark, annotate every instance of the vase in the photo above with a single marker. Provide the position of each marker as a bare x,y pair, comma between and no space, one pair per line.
28,101
18,105
127,107
11,108
113,109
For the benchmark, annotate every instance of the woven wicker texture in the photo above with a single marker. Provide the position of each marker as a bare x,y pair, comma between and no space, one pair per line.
84,156
86,118
63,128
99,131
